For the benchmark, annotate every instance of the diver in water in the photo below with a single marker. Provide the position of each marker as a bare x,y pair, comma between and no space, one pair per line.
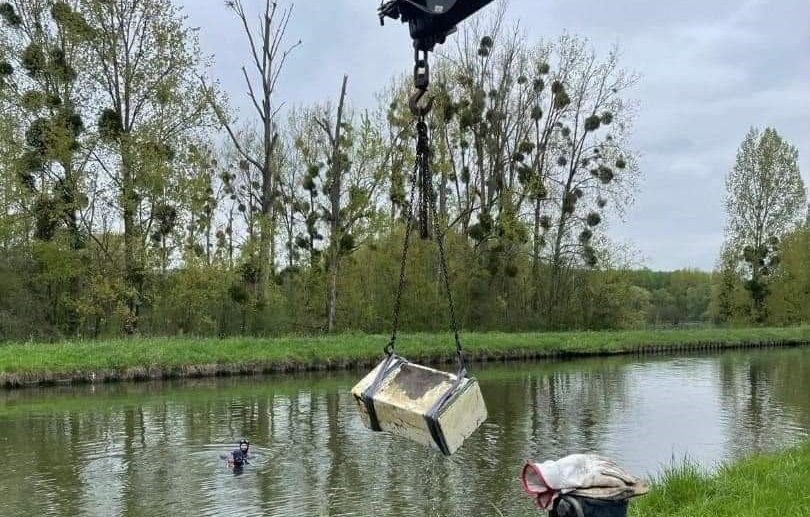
238,458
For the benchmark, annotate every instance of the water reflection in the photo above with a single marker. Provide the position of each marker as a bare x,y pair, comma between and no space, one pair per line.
153,449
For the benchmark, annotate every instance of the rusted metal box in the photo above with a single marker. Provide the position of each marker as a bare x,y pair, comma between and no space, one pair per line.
428,406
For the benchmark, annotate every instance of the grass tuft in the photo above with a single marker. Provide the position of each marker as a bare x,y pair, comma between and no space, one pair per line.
768,484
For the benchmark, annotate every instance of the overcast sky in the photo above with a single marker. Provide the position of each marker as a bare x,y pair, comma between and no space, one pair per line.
709,70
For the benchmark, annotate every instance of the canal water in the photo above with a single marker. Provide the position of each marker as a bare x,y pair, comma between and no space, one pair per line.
154,448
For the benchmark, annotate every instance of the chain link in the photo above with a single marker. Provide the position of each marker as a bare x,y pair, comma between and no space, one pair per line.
390,347
427,202
425,180
462,364
427,211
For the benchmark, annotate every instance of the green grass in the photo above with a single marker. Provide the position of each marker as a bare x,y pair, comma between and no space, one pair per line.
773,484
154,357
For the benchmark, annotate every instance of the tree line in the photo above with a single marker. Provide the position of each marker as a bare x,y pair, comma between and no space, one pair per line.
136,200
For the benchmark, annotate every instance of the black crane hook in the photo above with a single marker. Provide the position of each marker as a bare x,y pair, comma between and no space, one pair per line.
421,81
430,21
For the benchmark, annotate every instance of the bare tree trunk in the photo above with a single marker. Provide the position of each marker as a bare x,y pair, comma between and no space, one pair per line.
541,143
268,58
132,266
338,166
266,220
536,255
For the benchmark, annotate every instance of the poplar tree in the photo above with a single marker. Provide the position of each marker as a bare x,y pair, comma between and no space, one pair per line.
765,200
146,63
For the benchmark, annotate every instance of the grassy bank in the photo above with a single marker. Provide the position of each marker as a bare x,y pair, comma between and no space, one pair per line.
98,361
773,484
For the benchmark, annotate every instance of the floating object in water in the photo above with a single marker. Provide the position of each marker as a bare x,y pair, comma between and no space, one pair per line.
427,406
581,485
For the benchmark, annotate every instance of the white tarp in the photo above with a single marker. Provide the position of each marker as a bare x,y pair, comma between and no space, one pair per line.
586,475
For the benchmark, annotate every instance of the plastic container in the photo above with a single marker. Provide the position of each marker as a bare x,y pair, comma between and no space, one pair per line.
573,506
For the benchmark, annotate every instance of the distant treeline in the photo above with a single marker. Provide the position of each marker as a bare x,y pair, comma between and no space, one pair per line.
202,300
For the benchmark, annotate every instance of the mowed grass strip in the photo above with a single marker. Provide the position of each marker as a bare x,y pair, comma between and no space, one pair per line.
24,363
770,484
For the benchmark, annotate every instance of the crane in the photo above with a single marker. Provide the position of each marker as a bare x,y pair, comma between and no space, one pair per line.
426,405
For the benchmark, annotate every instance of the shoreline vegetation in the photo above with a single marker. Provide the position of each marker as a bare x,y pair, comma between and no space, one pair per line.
762,484
77,362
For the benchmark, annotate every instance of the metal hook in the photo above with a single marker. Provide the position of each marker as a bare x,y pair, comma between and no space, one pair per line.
420,110
421,81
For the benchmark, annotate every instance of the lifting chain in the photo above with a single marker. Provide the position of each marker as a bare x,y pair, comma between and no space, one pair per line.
426,207
389,348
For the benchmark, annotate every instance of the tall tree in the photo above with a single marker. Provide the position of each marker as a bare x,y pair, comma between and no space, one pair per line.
338,163
146,63
268,53
765,200
537,139
45,91
354,162
589,161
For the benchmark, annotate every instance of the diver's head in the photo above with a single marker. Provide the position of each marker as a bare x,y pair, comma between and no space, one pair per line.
244,445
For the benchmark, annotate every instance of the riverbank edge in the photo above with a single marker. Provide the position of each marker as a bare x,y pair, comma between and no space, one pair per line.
772,483
331,354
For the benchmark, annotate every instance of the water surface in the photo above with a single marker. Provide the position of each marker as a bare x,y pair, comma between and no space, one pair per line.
153,449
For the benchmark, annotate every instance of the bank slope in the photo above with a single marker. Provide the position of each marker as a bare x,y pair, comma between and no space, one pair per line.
770,484
99,361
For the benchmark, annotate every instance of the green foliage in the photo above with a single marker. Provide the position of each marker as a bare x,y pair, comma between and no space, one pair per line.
677,297
589,256
172,239
769,482
605,174
765,201
9,15
33,100
46,212
561,100
59,66
784,291
23,305
110,125
71,21
593,122
490,294
34,60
